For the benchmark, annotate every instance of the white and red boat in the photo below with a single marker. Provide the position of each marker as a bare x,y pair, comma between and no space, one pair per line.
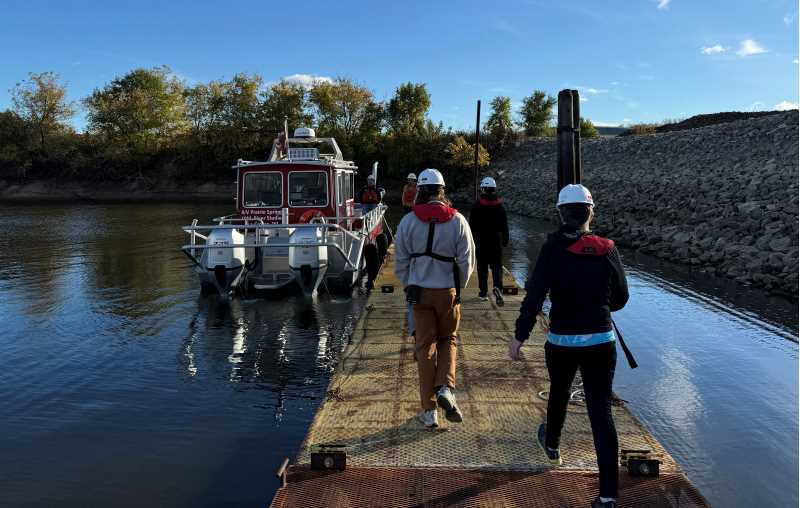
296,223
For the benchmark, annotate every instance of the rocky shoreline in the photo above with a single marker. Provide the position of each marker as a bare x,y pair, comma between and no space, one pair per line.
722,198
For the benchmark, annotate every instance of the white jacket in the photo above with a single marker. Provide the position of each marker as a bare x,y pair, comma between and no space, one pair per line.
452,238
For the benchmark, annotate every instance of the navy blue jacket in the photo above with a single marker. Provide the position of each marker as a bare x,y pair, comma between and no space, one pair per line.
583,274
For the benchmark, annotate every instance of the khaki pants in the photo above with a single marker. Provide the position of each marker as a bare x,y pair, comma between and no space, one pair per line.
436,319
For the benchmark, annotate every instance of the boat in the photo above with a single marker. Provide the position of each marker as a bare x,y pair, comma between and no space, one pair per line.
296,224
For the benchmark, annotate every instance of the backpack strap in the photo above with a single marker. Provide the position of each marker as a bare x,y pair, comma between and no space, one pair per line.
447,259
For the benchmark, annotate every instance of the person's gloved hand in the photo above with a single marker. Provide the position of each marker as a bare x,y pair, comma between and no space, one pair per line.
514,349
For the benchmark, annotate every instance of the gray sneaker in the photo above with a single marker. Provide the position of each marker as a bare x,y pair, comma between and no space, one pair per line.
429,418
447,401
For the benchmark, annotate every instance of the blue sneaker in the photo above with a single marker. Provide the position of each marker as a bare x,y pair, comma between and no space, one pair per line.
553,455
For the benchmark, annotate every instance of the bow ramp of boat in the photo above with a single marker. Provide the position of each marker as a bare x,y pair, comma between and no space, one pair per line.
368,421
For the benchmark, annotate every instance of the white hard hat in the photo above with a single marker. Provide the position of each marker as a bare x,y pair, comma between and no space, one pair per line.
430,177
488,182
370,178
412,176
574,193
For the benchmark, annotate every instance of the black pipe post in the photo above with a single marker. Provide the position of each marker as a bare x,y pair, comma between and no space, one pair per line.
576,122
565,141
477,146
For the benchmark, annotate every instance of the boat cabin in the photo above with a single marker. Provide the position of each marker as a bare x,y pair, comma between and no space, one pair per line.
305,179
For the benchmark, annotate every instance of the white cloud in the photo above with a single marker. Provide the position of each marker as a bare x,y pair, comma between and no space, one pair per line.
604,124
584,99
756,106
795,61
785,106
750,47
788,19
504,26
663,4
627,121
614,83
712,50
306,80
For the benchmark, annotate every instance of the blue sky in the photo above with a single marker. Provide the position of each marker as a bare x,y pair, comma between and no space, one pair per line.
633,60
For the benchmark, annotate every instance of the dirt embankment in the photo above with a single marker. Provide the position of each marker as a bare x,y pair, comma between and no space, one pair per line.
54,191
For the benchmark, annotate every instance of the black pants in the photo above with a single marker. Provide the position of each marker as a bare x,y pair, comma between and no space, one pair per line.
597,364
484,263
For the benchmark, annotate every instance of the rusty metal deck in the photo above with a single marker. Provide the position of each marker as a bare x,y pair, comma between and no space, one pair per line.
492,459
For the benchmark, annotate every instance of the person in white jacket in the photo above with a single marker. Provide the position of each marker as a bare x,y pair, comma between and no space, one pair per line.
434,258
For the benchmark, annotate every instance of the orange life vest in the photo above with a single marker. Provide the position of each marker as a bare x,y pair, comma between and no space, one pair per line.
409,193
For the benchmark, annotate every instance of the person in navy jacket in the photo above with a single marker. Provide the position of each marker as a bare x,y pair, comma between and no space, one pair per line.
583,275
489,225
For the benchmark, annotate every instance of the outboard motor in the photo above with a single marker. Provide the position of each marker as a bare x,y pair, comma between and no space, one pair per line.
308,259
224,263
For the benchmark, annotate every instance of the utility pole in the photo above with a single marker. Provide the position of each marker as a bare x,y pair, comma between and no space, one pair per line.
477,147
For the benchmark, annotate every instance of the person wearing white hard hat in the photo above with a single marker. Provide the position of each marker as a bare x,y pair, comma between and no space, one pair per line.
370,196
489,225
434,258
583,275
409,192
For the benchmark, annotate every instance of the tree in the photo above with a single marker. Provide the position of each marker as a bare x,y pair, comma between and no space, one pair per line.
408,108
462,153
588,130
144,109
14,139
284,100
500,126
536,112
349,113
41,101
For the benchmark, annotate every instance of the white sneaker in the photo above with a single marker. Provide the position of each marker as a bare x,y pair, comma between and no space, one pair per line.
429,418
447,401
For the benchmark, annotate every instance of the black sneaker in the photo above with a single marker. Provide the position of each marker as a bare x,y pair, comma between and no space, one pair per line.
601,504
498,297
554,456
482,297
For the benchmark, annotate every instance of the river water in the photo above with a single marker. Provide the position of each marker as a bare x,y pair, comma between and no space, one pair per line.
120,386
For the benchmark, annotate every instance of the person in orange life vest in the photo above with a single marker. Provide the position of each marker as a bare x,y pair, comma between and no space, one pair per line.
434,258
370,196
489,225
584,277
409,193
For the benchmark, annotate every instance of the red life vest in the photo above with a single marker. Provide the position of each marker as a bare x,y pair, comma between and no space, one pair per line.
409,193
370,195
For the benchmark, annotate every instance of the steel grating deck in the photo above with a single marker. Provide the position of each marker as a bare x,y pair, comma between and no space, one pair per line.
492,459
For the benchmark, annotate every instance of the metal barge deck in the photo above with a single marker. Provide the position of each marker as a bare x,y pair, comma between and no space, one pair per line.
492,459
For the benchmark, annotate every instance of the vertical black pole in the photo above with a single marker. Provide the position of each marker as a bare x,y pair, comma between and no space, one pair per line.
477,146
566,144
576,122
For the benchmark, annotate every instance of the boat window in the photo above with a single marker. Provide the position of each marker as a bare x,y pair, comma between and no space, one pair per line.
340,184
308,188
348,186
263,189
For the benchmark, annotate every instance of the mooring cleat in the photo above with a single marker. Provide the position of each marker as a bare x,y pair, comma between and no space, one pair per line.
553,455
447,401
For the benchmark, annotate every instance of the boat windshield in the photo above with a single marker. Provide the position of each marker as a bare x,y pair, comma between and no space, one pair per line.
308,188
263,189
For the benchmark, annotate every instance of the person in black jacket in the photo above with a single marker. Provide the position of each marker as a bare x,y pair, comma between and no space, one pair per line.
489,226
583,274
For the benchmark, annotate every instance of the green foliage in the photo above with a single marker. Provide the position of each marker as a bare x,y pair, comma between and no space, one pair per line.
536,113
588,130
41,101
284,101
461,153
500,127
408,108
144,110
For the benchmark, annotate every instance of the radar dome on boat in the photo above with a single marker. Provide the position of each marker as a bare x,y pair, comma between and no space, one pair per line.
304,132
